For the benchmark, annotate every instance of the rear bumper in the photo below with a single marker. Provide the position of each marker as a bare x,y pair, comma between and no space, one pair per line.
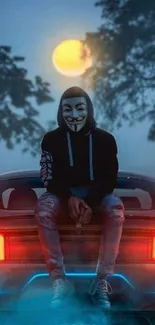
137,277
133,286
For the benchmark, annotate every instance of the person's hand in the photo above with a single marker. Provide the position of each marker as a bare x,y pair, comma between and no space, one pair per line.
85,213
74,207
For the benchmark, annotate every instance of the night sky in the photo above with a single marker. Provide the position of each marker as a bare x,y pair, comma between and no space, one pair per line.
33,29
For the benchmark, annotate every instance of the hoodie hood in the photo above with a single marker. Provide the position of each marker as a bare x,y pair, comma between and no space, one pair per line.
77,92
86,130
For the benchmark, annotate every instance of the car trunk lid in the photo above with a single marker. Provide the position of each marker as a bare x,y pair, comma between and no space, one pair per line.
21,242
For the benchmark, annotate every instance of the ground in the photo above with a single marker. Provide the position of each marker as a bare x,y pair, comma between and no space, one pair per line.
33,308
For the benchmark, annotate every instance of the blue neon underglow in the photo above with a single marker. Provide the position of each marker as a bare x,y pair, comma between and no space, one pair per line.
80,274
74,274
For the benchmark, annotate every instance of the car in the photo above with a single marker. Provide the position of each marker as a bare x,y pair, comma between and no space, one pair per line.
21,258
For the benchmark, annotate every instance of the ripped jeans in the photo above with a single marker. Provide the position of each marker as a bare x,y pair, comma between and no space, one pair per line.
111,213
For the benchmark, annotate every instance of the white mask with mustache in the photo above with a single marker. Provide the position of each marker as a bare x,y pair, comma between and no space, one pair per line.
75,112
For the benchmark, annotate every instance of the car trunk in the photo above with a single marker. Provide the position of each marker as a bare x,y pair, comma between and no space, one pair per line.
19,240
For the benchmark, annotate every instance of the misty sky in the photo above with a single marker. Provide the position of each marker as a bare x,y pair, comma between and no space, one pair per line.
33,29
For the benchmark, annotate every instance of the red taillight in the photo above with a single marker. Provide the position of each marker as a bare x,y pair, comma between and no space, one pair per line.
2,248
153,248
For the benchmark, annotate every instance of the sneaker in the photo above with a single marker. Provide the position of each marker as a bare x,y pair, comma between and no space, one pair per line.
98,291
61,290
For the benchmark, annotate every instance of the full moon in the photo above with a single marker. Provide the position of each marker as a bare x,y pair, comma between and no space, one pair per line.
72,58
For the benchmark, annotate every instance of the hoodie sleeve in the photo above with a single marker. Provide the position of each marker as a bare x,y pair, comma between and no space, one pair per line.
108,177
55,186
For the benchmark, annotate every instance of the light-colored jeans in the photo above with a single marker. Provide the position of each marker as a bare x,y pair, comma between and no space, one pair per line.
112,216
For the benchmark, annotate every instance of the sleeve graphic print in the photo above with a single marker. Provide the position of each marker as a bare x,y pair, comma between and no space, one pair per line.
46,167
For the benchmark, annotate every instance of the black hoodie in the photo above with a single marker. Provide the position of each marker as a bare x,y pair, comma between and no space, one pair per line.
79,159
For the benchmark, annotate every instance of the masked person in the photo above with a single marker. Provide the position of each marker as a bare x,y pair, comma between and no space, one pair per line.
79,169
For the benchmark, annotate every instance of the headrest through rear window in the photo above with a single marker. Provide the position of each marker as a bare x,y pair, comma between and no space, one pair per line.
1,203
131,202
22,199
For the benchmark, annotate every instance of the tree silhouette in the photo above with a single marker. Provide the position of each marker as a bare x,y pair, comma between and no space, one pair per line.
123,73
18,97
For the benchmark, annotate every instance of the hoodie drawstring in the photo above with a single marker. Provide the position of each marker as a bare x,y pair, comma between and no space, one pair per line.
91,157
70,150
90,154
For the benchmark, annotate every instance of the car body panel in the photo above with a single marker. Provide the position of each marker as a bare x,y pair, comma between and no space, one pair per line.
20,230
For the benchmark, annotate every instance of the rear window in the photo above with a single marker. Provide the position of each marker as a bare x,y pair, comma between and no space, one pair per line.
22,193
136,194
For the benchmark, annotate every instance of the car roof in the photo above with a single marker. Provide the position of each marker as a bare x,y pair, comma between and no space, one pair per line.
19,174
36,173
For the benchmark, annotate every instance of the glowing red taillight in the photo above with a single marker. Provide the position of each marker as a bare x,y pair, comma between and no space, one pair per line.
153,248
2,248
